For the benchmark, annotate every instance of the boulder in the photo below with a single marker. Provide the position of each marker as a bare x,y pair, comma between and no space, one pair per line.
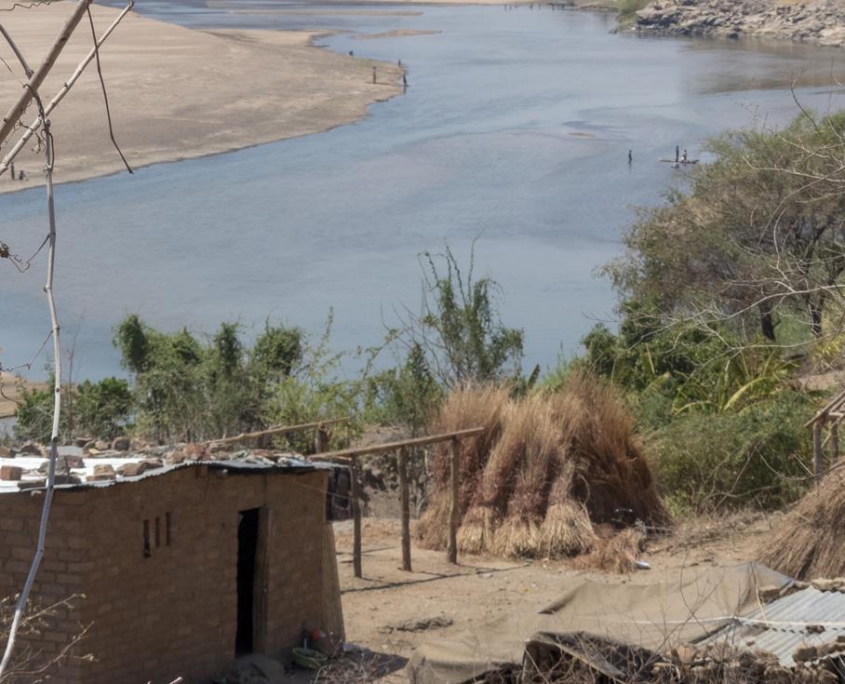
104,470
132,469
120,444
176,457
197,452
71,456
32,449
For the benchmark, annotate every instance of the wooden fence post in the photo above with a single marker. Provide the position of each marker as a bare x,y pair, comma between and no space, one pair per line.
454,513
356,518
406,509
818,454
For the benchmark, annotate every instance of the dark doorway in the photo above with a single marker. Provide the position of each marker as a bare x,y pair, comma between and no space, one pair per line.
247,548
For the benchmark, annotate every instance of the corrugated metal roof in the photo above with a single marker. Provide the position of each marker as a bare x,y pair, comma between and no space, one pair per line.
787,624
286,463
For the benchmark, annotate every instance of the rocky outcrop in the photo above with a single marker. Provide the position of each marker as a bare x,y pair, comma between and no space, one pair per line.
819,22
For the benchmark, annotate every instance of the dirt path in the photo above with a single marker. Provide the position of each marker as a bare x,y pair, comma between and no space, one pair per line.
381,609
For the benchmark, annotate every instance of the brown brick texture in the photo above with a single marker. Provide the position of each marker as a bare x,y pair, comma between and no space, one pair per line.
171,611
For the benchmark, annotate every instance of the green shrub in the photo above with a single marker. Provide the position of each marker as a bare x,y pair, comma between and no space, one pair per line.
101,409
315,390
757,457
405,395
34,415
190,390
91,409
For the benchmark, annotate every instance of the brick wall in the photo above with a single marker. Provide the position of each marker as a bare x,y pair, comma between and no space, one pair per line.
59,580
170,610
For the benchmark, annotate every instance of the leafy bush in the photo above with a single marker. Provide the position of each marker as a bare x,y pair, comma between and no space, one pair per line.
187,390
408,394
315,391
757,457
90,409
459,329
34,415
101,409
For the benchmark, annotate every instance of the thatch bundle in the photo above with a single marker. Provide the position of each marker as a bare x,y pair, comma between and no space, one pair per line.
549,466
808,543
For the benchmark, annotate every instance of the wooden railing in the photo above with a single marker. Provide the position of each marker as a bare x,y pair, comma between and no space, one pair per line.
273,431
352,458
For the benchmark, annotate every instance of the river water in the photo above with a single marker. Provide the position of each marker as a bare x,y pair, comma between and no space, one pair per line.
514,133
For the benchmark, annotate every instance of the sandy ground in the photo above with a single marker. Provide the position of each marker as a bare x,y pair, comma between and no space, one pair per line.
10,393
177,94
479,590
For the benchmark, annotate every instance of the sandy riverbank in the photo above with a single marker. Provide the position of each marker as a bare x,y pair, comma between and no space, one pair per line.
177,93
11,387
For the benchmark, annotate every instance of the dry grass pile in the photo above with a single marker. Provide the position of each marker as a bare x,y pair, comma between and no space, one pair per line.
549,466
808,542
618,553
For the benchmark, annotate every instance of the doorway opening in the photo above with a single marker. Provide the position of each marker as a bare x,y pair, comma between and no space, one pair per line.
248,526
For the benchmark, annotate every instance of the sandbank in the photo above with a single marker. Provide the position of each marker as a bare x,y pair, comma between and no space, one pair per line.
177,94
11,391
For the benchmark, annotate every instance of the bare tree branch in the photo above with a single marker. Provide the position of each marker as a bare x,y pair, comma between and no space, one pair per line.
37,78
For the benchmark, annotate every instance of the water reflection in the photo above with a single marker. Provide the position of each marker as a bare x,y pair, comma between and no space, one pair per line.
516,128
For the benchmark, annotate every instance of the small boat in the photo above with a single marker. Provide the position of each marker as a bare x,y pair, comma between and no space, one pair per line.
680,161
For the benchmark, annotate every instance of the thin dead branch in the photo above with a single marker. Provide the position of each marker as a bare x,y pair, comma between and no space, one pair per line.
32,86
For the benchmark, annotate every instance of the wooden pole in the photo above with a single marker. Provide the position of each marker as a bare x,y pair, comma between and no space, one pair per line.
356,518
278,431
406,509
834,438
818,453
454,513
392,447
37,78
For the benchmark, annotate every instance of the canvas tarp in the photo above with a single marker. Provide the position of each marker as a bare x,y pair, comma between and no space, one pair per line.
655,616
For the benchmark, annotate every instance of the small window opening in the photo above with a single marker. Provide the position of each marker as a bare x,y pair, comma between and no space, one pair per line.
146,539
158,532
168,526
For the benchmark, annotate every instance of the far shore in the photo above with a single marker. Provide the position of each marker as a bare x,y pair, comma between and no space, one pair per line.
179,94
11,392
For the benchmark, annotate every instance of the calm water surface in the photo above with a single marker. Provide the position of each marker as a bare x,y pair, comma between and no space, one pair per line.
514,132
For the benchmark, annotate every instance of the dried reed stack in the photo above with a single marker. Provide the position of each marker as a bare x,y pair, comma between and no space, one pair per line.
477,408
550,467
808,543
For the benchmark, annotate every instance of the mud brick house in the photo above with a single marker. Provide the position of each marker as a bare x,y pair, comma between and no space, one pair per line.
182,568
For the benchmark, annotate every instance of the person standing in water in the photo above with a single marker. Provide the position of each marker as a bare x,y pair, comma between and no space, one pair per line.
630,157
677,153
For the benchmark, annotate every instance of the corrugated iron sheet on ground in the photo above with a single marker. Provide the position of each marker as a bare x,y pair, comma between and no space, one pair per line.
783,626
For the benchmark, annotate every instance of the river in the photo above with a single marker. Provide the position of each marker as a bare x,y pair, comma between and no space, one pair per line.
514,133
